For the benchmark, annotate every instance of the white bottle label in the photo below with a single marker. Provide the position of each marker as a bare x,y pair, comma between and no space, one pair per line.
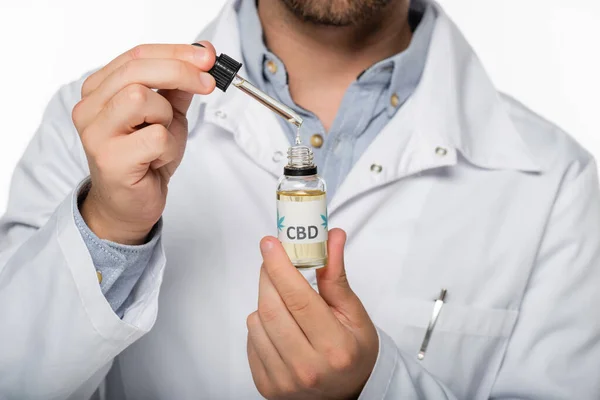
302,222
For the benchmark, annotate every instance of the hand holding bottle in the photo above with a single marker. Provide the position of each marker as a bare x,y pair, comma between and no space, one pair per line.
304,344
135,137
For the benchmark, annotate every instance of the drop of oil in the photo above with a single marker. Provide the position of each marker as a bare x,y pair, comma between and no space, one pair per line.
298,140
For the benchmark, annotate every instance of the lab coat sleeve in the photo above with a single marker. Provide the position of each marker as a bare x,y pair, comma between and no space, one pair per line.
554,352
396,377
58,333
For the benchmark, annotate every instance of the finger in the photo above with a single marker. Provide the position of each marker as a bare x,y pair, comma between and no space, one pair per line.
180,102
151,146
281,328
309,310
205,44
257,368
271,384
333,282
201,57
126,111
265,349
158,74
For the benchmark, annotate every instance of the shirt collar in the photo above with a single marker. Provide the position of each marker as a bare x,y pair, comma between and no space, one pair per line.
402,72
399,73
254,50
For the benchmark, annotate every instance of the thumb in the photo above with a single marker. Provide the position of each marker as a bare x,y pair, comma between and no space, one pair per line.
333,283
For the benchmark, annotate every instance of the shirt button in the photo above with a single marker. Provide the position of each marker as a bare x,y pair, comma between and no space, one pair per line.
272,67
376,168
394,100
440,151
99,275
316,141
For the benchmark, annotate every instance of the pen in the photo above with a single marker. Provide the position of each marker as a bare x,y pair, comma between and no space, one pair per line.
437,307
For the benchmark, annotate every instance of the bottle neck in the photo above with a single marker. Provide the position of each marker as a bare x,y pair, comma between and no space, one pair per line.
300,162
300,156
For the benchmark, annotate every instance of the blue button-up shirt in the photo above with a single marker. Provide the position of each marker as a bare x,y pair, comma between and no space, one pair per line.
367,105
366,108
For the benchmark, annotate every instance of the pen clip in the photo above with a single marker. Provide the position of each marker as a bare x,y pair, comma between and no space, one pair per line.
437,308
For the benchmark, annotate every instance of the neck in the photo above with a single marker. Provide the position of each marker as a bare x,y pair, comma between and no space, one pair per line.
322,61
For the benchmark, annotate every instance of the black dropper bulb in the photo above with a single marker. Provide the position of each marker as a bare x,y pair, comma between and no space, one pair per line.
224,70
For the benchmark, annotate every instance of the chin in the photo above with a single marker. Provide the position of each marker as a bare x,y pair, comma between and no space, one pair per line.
336,12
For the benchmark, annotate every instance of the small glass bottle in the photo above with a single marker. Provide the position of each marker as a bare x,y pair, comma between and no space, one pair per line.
302,210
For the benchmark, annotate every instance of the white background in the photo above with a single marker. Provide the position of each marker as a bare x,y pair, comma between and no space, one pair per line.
544,52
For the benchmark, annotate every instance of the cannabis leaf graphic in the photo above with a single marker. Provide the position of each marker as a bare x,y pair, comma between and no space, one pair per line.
280,225
325,221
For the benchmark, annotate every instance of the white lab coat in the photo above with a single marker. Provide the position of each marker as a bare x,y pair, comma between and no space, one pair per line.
476,195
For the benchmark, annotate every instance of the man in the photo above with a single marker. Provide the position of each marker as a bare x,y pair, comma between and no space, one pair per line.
472,259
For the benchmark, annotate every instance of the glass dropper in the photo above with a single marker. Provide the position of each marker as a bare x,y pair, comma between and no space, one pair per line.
281,109
225,73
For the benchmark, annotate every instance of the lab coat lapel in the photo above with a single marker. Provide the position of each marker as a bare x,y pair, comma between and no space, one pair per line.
457,100
399,151
255,129
455,113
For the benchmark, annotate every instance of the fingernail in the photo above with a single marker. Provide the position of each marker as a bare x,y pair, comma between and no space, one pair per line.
200,55
198,44
266,246
207,80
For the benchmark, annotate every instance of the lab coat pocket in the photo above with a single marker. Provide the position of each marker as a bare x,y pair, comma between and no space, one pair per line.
466,346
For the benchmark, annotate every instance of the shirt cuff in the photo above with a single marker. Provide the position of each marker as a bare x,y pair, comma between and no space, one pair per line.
119,267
